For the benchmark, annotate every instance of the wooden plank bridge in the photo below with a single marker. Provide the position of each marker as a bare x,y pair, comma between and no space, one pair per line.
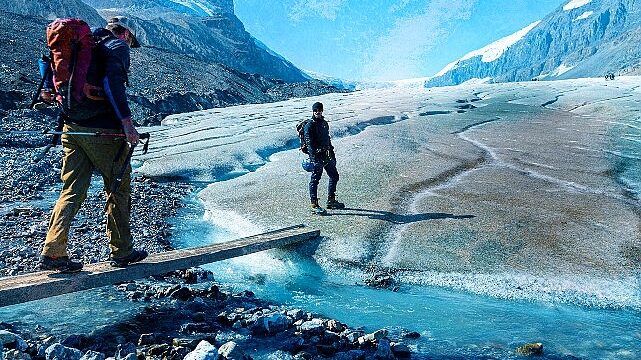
44,284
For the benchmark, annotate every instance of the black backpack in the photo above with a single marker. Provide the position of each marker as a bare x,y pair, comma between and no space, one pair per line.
300,128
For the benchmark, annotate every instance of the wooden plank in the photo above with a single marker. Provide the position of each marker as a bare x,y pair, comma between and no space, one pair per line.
39,285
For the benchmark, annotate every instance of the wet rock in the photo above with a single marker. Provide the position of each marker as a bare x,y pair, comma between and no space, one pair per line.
181,293
146,339
231,351
330,338
353,336
350,355
530,349
128,287
292,345
303,355
335,326
296,314
178,352
124,350
203,351
14,354
411,335
188,343
373,337
61,352
326,350
280,355
44,345
270,324
158,349
401,350
312,327
384,350
93,355
10,341
380,281
245,293
76,341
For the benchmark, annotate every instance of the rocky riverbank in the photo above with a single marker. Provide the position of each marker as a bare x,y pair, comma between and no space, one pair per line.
28,192
189,317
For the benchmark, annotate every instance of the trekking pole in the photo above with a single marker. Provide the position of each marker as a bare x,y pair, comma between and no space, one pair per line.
58,132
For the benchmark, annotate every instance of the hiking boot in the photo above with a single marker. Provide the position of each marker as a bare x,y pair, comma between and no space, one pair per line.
134,257
41,105
332,203
316,209
61,264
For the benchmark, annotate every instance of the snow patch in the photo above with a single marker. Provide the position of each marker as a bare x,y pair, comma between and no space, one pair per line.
447,68
585,15
575,4
492,51
198,6
497,48
562,69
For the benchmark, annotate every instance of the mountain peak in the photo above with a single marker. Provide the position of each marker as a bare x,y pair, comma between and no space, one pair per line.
583,38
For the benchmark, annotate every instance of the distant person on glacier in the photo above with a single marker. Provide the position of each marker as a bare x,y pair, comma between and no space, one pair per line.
107,111
321,156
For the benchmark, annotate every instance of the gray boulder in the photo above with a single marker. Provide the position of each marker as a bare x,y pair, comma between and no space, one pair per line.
231,351
203,351
8,338
280,355
271,323
312,327
60,352
384,350
373,337
401,350
93,355
350,355
14,354
124,350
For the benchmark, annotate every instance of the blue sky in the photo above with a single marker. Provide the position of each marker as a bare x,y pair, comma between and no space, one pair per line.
384,39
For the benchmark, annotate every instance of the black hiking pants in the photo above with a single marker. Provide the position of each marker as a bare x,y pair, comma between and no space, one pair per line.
330,168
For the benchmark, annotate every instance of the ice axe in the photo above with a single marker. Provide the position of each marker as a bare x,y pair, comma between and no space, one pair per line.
121,173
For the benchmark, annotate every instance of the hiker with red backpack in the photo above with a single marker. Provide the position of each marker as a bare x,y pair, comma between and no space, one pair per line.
321,156
89,76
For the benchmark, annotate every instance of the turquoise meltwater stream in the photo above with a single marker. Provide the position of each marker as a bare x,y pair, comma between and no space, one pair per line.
452,324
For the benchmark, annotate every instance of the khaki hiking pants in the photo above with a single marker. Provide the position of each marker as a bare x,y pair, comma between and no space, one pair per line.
83,155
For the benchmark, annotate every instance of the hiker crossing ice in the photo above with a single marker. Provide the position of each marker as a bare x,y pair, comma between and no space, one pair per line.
85,75
315,142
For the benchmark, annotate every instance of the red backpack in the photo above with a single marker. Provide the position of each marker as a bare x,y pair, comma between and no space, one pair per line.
71,43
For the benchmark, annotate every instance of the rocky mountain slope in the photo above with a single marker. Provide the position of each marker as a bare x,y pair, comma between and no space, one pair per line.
208,31
163,81
582,38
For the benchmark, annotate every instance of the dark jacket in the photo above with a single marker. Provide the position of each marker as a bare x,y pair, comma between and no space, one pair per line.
108,70
316,132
